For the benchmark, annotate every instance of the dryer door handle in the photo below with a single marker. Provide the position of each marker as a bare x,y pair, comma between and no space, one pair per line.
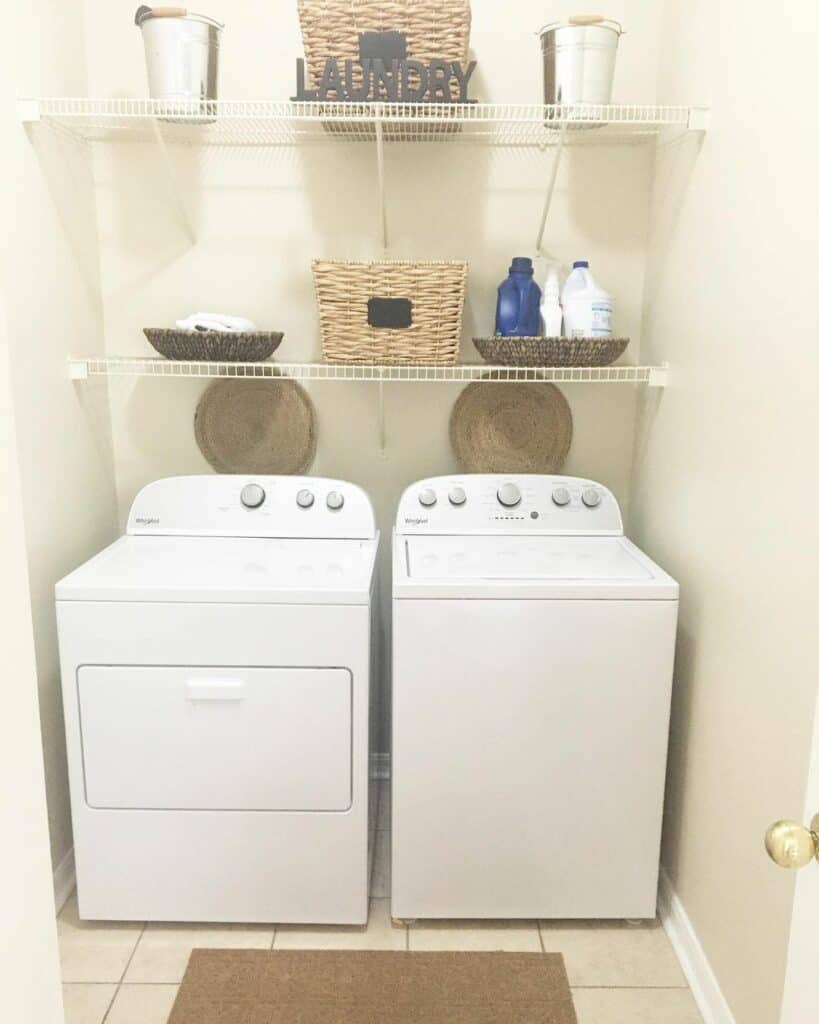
215,689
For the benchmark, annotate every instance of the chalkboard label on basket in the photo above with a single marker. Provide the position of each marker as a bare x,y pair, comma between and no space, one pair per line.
393,80
389,312
386,46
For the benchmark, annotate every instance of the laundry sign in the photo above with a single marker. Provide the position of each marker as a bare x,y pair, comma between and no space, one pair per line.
385,72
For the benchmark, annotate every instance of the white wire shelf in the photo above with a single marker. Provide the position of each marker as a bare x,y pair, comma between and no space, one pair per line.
273,123
119,366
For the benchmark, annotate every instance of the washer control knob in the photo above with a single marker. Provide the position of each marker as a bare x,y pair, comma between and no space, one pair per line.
252,495
561,496
509,495
457,496
591,497
305,498
335,501
427,497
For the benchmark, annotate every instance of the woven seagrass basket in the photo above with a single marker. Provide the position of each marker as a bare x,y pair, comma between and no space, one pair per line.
216,346
390,312
434,30
551,351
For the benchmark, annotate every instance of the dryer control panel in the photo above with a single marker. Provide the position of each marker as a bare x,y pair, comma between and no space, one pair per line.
513,504
252,506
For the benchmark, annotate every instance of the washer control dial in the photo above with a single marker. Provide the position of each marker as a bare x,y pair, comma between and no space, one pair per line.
252,495
335,501
561,496
509,495
457,496
591,497
427,497
305,498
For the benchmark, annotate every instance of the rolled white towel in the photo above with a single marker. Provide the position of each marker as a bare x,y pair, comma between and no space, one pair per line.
215,322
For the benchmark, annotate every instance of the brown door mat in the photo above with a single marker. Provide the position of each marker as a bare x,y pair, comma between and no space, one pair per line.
237,986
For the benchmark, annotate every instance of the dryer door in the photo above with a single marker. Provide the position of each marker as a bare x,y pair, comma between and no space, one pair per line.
175,738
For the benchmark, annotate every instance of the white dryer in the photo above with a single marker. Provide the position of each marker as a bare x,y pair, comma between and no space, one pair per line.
533,649
216,677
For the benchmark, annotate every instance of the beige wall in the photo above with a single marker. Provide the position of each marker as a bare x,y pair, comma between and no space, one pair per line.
725,492
29,967
49,281
264,214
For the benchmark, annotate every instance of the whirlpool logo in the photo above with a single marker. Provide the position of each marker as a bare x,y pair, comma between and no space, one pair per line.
147,520
415,521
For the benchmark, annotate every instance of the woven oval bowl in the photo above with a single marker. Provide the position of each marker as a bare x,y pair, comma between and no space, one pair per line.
214,346
550,351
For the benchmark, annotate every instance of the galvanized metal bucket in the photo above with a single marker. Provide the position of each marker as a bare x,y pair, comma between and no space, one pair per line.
182,58
578,61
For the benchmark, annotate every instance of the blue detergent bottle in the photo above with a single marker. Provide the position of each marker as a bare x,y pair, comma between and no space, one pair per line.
518,310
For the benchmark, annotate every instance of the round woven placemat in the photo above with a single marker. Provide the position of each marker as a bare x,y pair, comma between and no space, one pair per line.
511,427
214,346
256,426
551,351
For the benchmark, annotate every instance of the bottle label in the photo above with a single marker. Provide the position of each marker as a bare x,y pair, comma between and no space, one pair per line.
601,319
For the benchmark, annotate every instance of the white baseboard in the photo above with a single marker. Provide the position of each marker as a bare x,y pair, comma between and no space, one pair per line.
701,979
379,766
64,880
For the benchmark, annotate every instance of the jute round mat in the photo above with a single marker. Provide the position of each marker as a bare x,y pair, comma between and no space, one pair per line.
256,426
511,427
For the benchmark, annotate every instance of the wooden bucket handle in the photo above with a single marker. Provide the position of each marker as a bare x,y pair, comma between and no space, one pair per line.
163,12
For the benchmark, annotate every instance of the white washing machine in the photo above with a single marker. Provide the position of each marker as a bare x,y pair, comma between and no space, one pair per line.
216,677
533,649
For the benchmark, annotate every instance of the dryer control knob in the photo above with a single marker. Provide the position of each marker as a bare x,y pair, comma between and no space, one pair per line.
591,497
561,496
457,496
305,498
509,495
252,496
427,497
335,501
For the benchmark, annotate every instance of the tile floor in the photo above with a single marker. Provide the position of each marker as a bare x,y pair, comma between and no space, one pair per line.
129,973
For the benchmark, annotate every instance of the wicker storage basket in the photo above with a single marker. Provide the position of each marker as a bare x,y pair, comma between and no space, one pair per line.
434,30
355,318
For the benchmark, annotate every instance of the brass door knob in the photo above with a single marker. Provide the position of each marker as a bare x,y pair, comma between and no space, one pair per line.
791,845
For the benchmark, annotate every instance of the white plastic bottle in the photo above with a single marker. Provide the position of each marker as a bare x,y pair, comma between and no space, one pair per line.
587,308
550,309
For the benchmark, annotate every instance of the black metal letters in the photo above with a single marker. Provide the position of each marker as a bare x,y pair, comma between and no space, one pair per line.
396,81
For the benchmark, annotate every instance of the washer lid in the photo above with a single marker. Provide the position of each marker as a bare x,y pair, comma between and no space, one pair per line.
251,570
527,567
522,558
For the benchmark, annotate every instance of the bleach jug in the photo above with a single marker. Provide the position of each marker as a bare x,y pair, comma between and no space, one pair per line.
518,310
587,309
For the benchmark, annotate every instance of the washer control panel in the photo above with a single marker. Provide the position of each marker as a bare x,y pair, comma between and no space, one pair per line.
513,504
260,506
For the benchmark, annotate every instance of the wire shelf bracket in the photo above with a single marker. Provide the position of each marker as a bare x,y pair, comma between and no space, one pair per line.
176,189
550,189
